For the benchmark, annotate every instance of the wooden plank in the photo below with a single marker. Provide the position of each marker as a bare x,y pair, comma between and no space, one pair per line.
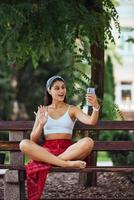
9,146
12,167
114,146
95,169
16,125
87,169
101,125
106,125
99,146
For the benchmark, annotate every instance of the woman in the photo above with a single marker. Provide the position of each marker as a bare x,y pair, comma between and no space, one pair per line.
57,119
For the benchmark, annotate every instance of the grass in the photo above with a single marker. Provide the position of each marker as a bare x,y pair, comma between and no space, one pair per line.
103,156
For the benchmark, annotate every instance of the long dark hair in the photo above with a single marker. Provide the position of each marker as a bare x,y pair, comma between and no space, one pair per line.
48,97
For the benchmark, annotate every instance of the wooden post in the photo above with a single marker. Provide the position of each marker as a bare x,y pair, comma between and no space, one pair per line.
97,70
11,186
97,80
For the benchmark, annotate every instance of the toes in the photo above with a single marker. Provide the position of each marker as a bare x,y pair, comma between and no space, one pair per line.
83,164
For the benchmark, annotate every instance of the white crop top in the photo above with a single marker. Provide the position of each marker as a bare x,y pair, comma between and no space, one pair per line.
63,124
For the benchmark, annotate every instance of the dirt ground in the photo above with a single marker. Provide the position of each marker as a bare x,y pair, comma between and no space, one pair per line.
65,186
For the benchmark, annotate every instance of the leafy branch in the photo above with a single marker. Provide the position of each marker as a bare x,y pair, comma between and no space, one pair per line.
34,29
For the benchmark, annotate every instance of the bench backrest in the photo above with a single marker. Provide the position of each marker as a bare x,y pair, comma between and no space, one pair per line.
18,130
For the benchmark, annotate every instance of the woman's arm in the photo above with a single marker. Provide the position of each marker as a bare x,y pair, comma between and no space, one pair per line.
85,118
41,118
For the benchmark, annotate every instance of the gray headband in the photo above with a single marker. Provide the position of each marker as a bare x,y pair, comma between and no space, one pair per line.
51,80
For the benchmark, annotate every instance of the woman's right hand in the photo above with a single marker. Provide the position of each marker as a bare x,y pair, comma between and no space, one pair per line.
42,115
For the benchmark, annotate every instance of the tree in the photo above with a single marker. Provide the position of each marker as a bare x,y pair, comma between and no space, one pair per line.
7,93
109,91
33,81
35,29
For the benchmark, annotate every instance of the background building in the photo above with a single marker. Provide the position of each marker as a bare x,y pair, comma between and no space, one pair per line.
124,72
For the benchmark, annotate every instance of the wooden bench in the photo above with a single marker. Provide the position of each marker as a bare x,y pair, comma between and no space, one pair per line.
18,130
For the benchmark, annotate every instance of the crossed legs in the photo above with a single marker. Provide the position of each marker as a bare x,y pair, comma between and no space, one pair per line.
79,150
72,157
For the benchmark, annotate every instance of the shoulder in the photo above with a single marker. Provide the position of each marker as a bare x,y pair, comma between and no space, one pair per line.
71,107
73,110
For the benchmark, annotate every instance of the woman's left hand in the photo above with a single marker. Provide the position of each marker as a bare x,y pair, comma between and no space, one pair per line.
92,99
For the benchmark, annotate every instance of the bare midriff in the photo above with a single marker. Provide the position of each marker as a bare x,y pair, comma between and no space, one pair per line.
55,136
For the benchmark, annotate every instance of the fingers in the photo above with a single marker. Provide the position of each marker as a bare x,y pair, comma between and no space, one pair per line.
92,99
35,113
88,95
83,164
42,110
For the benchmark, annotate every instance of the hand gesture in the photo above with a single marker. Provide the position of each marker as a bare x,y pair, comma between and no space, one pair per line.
41,115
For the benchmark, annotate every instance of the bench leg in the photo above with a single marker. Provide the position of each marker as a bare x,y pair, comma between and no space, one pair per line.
89,178
11,187
21,177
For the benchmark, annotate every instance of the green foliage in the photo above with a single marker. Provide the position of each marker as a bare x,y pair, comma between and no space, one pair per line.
131,39
119,157
32,85
108,111
77,82
123,157
112,112
47,31
7,95
4,135
36,29
102,156
109,77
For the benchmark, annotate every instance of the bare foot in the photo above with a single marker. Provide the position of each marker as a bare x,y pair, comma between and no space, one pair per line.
77,164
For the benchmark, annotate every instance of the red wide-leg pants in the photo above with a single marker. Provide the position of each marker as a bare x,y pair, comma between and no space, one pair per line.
36,172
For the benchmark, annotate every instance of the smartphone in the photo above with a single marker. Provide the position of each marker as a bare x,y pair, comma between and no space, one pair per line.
90,90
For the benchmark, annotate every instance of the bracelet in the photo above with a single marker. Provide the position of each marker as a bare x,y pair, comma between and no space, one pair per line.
96,109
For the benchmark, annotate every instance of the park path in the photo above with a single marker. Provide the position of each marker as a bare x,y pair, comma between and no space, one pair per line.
65,186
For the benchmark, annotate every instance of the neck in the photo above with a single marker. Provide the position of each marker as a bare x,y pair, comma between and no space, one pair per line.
57,104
